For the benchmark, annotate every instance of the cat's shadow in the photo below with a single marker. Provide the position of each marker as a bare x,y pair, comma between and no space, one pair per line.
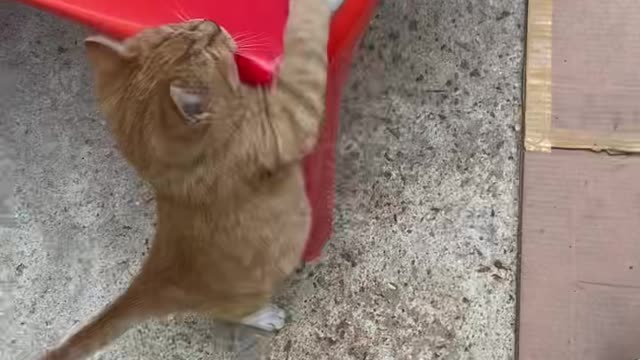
182,337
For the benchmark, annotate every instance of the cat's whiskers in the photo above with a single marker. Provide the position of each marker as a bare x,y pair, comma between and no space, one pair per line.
252,46
250,50
245,43
246,37
180,11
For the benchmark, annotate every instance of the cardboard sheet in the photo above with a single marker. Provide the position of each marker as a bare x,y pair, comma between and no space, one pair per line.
580,269
582,78
580,227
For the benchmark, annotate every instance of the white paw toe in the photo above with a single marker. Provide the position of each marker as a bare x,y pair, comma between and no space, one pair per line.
270,318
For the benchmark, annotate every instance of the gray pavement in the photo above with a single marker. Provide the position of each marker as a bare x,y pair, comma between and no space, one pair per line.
422,264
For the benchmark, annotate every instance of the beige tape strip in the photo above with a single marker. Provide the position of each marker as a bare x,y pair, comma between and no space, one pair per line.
539,132
538,76
622,142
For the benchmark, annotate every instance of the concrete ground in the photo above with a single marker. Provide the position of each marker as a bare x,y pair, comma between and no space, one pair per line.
423,261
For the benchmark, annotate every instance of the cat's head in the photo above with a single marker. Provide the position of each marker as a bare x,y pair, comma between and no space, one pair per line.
168,92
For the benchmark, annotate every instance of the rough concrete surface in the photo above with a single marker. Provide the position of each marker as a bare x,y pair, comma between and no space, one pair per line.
422,264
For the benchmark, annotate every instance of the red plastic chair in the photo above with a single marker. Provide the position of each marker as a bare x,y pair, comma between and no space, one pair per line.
263,21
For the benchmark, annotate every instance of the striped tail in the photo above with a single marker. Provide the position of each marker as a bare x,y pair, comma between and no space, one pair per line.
137,304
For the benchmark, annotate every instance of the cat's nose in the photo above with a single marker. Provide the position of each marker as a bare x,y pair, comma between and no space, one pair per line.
200,24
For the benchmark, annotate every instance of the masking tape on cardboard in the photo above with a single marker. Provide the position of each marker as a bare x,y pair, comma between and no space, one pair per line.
540,135
538,76
622,142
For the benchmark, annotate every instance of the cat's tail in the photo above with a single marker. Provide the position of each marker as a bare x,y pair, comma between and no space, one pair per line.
139,303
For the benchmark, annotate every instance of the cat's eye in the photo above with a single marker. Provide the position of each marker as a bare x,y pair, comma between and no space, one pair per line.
190,104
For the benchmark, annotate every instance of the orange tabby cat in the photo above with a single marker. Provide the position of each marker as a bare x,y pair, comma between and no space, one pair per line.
224,161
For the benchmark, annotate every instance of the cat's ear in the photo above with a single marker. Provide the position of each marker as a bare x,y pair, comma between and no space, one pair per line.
106,55
190,104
